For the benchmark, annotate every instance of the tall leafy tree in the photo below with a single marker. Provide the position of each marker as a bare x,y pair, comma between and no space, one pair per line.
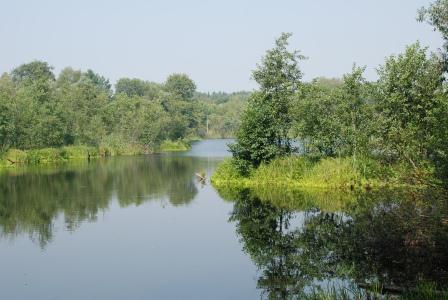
100,82
436,14
266,122
334,121
181,86
7,94
33,71
130,87
409,95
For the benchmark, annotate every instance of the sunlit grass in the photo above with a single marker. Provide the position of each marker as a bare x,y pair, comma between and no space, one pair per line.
300,172
172,146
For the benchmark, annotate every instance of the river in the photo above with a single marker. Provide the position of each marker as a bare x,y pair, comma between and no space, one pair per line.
145,227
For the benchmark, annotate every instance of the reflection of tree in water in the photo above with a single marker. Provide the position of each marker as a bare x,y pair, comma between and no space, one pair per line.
267,238
398,239
155,177
30,201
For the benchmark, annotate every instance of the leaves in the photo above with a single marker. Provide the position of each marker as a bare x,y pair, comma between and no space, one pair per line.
265,124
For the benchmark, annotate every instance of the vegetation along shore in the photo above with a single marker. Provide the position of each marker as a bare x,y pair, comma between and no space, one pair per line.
47,118
352,132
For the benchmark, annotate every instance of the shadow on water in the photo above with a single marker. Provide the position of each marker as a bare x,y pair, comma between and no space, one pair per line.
31,199
306,239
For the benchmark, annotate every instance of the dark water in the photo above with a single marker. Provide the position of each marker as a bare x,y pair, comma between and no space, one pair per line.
145,228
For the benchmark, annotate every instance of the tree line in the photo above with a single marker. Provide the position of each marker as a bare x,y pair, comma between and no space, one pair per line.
401,118
39,109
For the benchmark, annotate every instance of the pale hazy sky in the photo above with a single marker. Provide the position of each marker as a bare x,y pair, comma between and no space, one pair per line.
217,43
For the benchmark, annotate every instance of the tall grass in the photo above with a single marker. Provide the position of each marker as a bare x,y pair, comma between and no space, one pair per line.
112,146
14,157
173,146
301,172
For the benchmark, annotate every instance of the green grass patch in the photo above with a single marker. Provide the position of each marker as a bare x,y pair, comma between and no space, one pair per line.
110,147
14,157
301,172
173,146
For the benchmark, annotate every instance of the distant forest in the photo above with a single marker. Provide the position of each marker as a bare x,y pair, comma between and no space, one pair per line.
39,110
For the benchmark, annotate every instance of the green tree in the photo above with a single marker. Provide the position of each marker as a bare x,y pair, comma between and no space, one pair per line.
100,82
33,71
315,120
131,87
266,122
67,77
437,16
7,94
181,86
154,123
334,121
408,98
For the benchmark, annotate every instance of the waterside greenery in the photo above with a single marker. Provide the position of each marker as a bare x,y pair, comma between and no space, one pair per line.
352,133
15,158
294,172
43,113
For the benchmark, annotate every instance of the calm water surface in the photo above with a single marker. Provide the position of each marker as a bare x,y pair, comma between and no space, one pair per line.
145,228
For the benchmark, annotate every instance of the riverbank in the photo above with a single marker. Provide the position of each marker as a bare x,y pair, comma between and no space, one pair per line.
329,173
15,157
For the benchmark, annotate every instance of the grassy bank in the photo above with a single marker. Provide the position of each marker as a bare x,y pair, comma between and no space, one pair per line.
300,172
14,157
174,146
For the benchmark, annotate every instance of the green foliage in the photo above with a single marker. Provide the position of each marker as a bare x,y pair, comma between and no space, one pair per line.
332,121
32,72
437,16
226,173
221,113
172,146
137,87
131,87
263,134
99,82
7,94
258,138
331,173
408,100
79,108
181,86
400,120
14,157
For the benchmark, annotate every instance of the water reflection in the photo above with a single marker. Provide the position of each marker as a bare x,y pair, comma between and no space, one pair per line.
396,238
31,199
